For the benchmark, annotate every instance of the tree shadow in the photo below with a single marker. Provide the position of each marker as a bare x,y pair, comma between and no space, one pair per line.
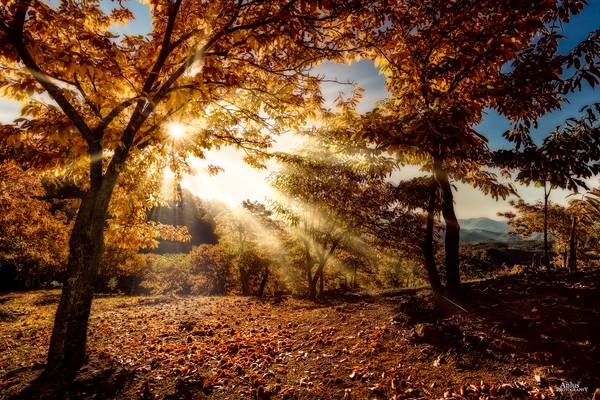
99,383
550,323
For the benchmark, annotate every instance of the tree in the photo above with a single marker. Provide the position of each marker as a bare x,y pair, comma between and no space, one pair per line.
557,220
467,160
445,64
586,217
330,201
241,236
214,263
436,58
566,157
32,235
235,69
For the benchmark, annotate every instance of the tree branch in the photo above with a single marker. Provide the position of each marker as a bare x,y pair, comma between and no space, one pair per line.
15,35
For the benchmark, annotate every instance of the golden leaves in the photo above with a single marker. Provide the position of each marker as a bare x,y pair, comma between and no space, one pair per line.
31,232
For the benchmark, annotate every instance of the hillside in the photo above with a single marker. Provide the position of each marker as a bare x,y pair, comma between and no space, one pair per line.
477,230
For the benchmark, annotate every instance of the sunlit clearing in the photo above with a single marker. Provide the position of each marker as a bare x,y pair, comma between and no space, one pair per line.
176,130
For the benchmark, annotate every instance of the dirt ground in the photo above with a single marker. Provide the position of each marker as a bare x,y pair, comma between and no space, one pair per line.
512,337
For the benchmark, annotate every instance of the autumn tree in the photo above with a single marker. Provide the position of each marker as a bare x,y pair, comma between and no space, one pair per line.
214,264
243,237
467,160
32,234
591,216
331,201
528,219
566,157
436,58
445,63
585,216
235,70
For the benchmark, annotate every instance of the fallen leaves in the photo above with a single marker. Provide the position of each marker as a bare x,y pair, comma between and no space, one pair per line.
231,347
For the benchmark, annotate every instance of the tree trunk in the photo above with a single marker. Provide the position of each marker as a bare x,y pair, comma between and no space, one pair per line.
452,236
546,250
86,245
427,245
263,283
245,281
573,246
312,288
321,283
314,282
220,286
308,265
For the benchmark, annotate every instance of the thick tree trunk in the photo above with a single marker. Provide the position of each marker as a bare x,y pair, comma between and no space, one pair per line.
86,245
452,236
67,349
427,245
573,246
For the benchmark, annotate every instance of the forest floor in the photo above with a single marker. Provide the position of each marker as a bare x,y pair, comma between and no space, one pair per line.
511,337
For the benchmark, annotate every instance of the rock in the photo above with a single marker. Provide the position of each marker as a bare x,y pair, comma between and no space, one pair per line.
428,333
539,374
437,335
399,319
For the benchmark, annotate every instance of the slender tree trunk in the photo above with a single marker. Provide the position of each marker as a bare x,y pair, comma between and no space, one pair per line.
573,246
263,283
321,283
314,282
427,245
220,286
308,265
86,245
546,249
312,287
245,281
452,236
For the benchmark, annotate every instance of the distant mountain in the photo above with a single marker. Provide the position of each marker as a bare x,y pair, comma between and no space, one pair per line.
477,230
484,224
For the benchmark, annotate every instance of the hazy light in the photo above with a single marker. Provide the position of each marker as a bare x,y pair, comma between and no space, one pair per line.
176,130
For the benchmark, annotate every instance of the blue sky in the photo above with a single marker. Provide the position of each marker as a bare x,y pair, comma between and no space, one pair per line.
239,181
